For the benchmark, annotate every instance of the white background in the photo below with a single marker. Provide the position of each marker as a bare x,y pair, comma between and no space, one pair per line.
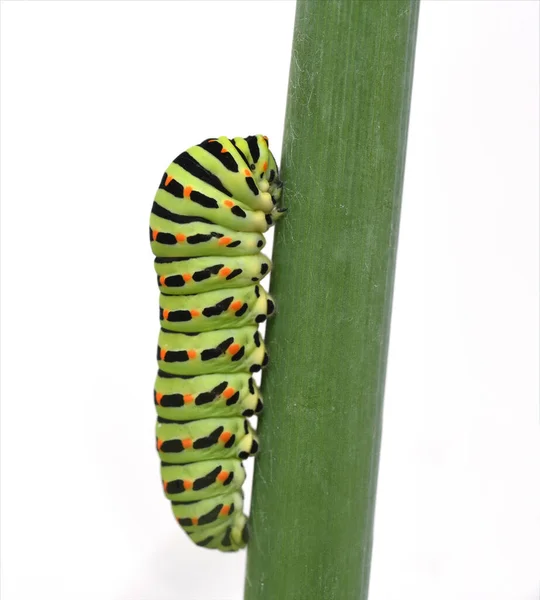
97,98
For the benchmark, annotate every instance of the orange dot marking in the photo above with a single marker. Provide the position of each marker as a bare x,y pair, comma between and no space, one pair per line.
188,398
223,150
159,444
166,314
186,277
169,179
192,354
225,271
225,510
233,348
236,305
223,476
225,437
165,485
155,234
229,203
187,443
188,485
247,172
228,392
158,397
163,353
187,191
180,237
162,280
224,241
265,137
265,166
195,521
195,313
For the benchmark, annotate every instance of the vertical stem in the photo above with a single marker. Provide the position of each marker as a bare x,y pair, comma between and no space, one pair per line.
334,261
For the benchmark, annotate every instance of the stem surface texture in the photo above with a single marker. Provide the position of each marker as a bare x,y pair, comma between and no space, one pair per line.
334,261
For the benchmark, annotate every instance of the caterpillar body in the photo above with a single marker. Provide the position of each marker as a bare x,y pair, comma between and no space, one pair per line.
212,207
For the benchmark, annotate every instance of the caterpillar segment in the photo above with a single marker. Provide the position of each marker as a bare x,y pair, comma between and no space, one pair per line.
200,480
208,396
201,239
221,351
229,307
213,204
195,275
180,443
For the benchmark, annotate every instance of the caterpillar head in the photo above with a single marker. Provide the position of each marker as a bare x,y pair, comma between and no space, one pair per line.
263,166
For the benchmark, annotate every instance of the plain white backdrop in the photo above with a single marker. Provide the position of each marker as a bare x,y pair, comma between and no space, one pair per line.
97,98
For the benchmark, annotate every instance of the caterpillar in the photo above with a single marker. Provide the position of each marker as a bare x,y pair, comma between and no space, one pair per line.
213,204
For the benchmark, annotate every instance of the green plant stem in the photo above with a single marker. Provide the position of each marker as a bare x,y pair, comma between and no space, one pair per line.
334,261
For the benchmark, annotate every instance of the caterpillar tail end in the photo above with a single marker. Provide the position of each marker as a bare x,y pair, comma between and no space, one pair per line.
240,532
238,535
234,538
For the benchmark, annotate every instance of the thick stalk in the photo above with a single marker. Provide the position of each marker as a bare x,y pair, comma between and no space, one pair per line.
334,260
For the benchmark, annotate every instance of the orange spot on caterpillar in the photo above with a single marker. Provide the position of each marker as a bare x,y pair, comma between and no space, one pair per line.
225,510
165,485
228,203
223,150
154,234
169,179
162,280
225,271
195,313
163,353
225,437
265,138
247,172
159,444
158,397
166,313
223,476
192,354
265,166
188,398
228,392
187,443
236,305
224,241
233,349
188,485
180,237
187,191
186,277
195,521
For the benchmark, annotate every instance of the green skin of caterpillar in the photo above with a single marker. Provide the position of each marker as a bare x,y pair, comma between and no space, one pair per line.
207,237
178,399
180,277
242,339
230,307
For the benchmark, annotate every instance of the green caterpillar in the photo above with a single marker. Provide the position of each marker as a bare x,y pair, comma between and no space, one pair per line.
213,204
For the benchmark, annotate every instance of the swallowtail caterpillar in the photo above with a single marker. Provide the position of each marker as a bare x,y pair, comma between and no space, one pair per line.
212,207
